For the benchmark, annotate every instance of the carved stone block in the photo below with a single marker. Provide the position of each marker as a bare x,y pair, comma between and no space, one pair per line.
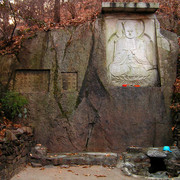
32,81
69,81
131,52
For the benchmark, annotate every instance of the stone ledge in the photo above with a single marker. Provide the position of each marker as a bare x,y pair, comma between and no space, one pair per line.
130,7
81,158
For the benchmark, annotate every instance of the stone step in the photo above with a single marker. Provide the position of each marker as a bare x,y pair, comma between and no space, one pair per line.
81,158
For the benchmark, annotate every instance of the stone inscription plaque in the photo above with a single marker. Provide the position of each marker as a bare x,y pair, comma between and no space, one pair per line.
131,53
69,81
32,81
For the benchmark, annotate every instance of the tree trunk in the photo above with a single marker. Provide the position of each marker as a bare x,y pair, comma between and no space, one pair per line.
57,11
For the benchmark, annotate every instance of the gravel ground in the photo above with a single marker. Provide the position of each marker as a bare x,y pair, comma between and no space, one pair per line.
71,173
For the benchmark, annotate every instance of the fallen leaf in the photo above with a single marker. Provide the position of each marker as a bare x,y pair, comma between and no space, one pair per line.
42,168
100,175
70,170
17,125
87,174
85,167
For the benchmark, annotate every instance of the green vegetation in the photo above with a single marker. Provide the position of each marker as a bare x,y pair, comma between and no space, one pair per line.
12,104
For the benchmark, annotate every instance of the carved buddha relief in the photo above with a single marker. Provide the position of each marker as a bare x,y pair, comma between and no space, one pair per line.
133,60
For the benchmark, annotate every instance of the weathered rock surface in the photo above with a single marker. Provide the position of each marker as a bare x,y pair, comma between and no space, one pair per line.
156,153
135,163
92,115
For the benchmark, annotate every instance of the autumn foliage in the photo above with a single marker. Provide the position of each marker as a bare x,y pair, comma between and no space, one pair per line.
21,19
18,17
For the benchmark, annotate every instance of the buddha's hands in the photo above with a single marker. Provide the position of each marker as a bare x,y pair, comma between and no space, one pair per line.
131,55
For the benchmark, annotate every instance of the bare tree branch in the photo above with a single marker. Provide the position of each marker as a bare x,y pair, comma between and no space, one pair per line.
57,11
15,22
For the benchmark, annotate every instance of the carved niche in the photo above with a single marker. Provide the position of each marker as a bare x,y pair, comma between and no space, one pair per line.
132,53
69,81
32,81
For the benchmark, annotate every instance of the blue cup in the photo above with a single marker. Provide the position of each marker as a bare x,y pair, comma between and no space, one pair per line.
166,148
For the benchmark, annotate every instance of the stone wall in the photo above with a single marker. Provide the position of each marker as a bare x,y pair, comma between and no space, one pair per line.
14,151
152,162
72,104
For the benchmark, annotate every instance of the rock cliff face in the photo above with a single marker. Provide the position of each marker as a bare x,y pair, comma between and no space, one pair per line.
73,107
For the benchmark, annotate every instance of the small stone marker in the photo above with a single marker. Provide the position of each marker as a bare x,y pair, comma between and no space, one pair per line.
156,153
69,81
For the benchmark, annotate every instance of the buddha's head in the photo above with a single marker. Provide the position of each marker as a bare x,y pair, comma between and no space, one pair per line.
133,28
130,29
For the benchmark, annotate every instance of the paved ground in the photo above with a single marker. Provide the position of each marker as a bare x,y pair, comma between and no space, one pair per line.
71,173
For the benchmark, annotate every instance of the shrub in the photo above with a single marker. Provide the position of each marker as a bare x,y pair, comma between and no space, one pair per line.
12,104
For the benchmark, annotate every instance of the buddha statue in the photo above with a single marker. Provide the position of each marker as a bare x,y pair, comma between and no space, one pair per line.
132,63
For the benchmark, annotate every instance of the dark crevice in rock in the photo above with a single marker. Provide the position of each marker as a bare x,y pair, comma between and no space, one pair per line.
55,72
62,111
91,83
57,98
55,80
93,123
68,128
56,88
91,127
9,79
66,47
106,93
44,47
11,75
17,57
69,137
91,105
84,87
92,86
